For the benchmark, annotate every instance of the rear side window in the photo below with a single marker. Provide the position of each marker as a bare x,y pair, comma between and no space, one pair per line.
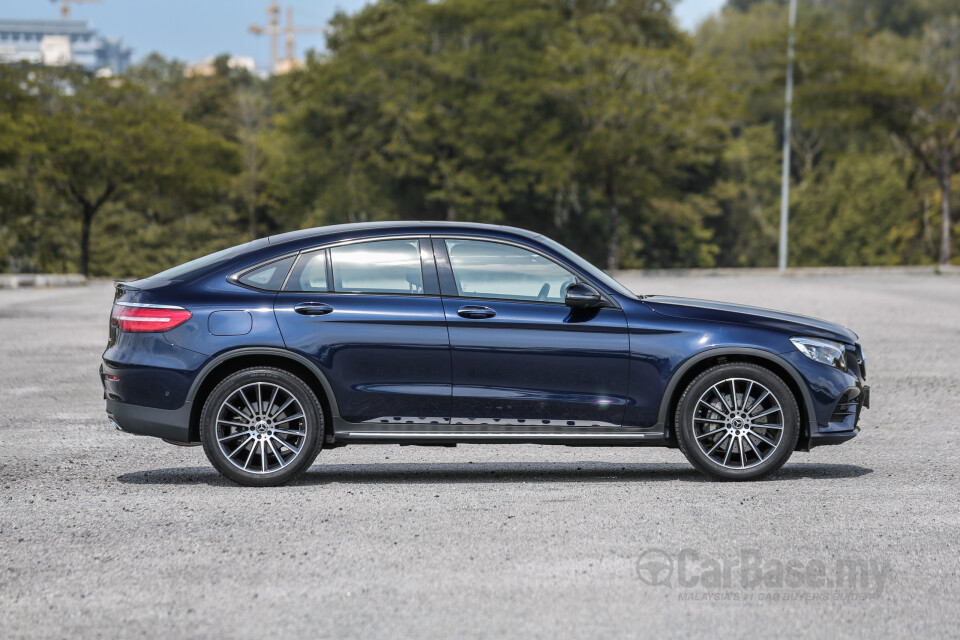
269,277
381,266
310,274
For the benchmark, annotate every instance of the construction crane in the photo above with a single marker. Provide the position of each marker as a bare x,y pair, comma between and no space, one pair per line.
65,6
274,30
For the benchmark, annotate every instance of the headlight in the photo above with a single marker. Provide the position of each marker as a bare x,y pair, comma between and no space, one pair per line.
824,351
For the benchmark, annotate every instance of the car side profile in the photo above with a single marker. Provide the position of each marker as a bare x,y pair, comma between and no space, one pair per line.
430,333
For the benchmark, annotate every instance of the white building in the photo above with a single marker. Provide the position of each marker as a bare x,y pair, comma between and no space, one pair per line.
61,42
207,67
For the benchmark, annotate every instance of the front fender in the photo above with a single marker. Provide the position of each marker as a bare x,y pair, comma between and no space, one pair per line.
683,374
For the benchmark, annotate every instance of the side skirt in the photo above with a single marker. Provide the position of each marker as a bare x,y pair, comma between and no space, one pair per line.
447,435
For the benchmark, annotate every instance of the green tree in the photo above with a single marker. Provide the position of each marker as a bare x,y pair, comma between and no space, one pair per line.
912,88
596,122
15,192
106,140
568,119
835,218
854,87
429,110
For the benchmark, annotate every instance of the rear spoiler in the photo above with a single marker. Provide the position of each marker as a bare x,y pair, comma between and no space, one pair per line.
123,291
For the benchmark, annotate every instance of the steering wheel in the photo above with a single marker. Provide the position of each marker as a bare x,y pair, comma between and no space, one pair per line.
544,291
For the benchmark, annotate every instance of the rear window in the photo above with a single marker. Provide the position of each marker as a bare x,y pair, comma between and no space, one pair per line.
200,265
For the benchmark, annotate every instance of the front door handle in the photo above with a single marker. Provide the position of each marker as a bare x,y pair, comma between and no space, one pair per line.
475,312
313,309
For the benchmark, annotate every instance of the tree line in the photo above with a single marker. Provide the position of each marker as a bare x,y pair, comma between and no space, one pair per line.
597,122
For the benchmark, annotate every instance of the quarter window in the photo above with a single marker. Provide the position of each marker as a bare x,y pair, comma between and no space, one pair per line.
269,277
492,270
381,266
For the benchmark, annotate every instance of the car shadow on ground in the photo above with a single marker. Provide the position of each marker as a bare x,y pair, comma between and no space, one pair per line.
491,472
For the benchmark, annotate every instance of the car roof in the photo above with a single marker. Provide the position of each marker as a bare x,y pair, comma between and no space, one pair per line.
397,226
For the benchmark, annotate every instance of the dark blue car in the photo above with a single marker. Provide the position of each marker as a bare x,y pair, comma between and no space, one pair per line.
427,333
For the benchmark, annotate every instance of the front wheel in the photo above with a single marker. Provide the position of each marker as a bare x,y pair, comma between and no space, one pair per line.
261,426
737,421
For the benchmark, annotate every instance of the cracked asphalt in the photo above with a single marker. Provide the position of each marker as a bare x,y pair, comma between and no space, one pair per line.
104,534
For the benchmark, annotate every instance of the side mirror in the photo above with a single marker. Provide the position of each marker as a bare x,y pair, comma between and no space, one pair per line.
582,296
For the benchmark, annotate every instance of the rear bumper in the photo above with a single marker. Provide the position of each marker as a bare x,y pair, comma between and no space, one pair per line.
169,424
126,388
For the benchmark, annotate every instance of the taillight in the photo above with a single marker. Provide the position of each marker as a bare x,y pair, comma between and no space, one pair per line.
144,319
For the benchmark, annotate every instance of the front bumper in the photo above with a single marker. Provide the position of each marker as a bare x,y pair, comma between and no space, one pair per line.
844,423
838,398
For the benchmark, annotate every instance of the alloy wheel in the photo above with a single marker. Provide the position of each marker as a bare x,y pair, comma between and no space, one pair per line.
261,427
738,423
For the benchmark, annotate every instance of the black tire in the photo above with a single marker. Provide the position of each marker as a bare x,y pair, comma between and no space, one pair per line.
730,429
256,433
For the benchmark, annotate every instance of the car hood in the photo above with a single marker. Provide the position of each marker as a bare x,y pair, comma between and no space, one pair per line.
792,323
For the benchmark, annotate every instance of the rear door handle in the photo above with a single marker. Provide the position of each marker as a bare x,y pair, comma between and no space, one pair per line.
475,312
313,309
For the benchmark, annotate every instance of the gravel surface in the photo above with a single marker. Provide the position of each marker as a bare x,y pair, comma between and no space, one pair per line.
105,534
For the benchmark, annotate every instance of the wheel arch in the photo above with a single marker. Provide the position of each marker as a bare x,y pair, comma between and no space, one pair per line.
237,359
697,364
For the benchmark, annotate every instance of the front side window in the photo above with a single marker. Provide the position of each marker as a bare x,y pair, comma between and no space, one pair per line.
379,266
484,269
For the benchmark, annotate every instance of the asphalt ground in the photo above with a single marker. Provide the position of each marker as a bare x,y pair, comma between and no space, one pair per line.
104,534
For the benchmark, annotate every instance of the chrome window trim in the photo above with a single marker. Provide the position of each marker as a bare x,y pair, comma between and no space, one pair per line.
581,277
337,243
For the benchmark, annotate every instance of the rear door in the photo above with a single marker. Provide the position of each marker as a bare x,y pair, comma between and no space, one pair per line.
521,357
369,314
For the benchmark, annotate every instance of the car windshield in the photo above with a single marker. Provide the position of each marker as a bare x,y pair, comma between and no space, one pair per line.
590,269
194,267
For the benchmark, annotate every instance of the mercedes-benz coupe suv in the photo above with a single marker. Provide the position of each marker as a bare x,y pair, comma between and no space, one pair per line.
426,333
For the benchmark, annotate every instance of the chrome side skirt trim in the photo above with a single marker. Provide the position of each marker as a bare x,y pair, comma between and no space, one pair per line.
467,436
398,433
490,422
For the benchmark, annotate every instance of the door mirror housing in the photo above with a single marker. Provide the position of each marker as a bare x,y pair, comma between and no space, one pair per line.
582,296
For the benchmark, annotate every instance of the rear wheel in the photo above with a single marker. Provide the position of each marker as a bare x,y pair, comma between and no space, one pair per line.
737,421
261,426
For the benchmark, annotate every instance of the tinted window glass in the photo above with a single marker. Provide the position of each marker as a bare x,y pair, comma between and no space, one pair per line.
310,274
268,277
381,266
493,270
593,271
196,267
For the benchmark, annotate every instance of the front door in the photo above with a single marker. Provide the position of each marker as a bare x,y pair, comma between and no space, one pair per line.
369,315
521,357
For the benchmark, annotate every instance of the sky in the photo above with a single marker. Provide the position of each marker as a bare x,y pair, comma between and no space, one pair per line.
192,30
